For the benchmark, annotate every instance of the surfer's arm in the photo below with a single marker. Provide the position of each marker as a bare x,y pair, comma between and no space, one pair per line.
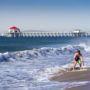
74,56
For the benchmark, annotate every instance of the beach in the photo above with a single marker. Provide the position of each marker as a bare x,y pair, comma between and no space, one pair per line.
45,67
74,76
84,87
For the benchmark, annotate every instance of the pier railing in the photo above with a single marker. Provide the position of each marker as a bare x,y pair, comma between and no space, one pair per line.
45,34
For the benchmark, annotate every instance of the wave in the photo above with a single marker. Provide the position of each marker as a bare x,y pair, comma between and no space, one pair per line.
86,47
36,66
43,52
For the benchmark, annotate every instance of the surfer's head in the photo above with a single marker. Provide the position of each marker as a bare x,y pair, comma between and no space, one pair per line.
78,51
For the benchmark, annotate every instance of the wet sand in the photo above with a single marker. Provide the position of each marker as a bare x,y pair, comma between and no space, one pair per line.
84,87
74,76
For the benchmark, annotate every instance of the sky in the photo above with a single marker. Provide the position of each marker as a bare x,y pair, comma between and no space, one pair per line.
45,15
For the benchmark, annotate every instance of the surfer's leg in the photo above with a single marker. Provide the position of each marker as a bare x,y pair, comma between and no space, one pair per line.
74,65
80,63
80,66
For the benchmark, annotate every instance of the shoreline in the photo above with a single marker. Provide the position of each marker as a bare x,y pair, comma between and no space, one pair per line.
74,76
82,87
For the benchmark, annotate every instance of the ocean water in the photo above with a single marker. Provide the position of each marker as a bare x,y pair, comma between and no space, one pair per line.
30,69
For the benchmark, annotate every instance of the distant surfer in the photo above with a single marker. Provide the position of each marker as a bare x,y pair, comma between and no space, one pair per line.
78,59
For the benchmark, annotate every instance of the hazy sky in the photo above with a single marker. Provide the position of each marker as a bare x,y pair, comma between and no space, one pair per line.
49,15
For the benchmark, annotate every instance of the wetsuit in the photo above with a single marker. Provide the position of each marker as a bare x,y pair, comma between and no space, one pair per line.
77,59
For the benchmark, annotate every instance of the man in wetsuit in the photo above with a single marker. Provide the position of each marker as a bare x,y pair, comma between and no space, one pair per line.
78,59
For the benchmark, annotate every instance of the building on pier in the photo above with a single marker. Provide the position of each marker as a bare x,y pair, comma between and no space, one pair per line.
78,32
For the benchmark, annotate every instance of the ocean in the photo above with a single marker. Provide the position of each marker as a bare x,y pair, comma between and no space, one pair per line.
30,69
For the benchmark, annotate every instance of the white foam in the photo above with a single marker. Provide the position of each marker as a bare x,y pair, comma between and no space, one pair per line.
86,47
41,73
49,72
57,85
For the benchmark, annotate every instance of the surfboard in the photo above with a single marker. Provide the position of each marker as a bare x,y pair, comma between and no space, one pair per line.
77,69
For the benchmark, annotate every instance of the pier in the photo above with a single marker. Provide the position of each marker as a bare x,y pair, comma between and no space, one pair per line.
46,34
75,33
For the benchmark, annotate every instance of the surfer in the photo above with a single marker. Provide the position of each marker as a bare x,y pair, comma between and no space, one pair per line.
78,59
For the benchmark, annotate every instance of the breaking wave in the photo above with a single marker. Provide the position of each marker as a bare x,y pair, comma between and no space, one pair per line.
32,68
43,52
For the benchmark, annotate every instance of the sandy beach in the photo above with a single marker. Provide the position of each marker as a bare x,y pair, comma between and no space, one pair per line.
74,76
